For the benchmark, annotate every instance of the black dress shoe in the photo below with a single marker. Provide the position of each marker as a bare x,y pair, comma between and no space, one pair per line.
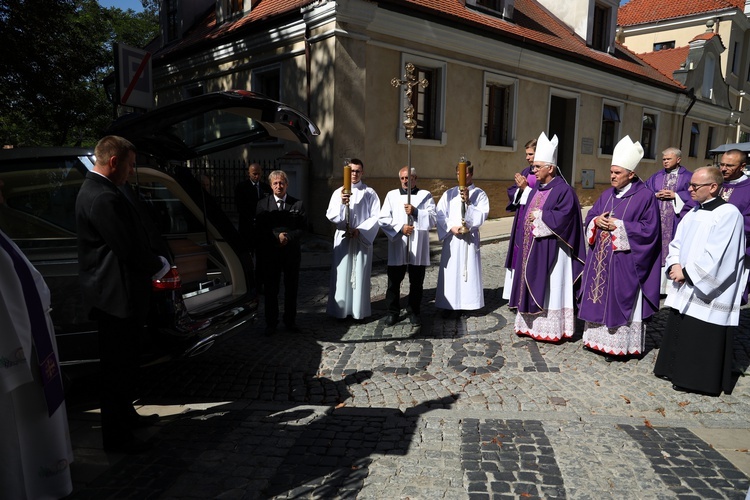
129,446
679,389
293,328
139,421
392,319
415,319
451,313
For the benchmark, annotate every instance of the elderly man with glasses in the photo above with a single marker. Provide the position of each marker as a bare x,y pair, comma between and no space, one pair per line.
706,266
553,250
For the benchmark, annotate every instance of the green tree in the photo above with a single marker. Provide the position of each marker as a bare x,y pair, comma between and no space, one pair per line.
55,55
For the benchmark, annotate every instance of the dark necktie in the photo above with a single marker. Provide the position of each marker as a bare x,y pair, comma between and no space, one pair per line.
281,204
257,189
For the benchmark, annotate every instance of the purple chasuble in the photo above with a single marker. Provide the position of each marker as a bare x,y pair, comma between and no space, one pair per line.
612,279
561,212
677,180
738,194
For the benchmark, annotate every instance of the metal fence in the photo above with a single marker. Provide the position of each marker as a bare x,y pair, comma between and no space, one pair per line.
222,176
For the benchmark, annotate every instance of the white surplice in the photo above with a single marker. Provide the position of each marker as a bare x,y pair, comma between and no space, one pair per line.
35,449
349,293
393,218
710,246
459,285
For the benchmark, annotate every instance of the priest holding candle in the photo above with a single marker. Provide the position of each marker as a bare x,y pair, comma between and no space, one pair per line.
354,210
460,213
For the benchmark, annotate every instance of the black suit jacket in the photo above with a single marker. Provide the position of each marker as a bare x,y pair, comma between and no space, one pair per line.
246,199
270,222
115,259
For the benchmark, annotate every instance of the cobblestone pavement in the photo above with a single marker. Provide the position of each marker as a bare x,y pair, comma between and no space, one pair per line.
459,408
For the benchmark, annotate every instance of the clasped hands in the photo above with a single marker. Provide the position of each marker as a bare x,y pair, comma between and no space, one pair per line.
665,194
605,222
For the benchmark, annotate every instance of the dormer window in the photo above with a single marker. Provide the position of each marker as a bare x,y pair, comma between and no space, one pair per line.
599,37
602,22
229,9
503,8
235,7
172,21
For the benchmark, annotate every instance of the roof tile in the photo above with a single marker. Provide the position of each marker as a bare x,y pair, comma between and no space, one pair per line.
648,11
667,61
532,24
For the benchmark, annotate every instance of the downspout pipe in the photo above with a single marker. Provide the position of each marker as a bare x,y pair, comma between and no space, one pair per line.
691,96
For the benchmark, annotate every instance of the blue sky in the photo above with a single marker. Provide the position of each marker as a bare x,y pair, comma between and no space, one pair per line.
123,4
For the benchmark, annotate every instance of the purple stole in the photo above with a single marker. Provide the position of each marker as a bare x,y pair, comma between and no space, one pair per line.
537,203
666,209
50,371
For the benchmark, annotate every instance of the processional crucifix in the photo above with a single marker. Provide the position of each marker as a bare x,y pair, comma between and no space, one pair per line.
409,81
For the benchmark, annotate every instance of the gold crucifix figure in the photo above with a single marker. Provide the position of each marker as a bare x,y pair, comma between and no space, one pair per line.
411,81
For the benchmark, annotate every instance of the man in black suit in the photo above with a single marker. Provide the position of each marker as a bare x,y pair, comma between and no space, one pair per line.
116,266
246,197
280,220
247,194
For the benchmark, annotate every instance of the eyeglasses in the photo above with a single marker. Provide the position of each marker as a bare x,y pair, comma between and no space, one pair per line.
696,186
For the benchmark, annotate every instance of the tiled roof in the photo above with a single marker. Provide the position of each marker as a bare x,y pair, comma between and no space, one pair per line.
649,11
666,61
707,36
532,25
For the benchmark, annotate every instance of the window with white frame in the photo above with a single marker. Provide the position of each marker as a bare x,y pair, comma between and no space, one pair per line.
610,132
429,101
267,81
695,133
648,135
663,45
502,7
498,118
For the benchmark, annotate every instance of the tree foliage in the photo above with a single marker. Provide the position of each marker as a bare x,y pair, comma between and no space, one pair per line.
54,58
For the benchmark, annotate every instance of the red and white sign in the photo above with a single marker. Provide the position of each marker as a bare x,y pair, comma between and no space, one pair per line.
134,82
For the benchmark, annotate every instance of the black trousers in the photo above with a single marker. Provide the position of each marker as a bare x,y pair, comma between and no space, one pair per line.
288,264
416,285
119,364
